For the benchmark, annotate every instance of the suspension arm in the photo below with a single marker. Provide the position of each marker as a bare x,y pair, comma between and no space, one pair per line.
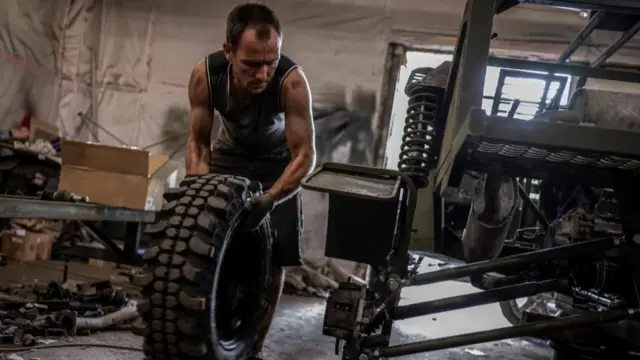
476,299
537,328
576,250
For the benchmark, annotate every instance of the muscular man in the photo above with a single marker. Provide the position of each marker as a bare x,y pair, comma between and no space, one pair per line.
266,132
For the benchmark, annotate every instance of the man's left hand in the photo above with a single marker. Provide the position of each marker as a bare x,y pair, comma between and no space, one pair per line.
259,208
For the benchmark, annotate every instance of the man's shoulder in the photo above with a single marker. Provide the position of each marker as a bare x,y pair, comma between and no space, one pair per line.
286,63
216,63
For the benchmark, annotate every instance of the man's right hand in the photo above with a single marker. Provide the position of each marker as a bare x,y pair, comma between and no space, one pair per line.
259,207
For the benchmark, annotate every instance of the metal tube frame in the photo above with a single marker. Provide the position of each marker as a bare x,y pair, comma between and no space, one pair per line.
574,251
536,328
616,45
109,251
471,57
475,299
471,54
617,6
581,36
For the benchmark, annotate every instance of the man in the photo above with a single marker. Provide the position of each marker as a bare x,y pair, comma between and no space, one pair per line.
266,133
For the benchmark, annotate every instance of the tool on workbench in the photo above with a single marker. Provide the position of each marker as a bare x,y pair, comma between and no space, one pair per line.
62,195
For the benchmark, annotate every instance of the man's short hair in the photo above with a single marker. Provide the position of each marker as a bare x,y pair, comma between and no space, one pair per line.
251,15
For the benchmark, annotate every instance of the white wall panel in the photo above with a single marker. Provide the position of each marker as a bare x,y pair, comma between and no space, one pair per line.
120,112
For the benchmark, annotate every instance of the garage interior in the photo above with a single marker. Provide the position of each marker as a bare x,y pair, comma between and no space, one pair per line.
540,116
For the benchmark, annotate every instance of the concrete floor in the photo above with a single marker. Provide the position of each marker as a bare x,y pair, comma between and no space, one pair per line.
296,333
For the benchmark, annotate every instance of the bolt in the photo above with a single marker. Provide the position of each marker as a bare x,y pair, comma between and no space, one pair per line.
363,357
393,284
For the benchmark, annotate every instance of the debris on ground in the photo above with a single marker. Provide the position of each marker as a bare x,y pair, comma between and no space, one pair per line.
12,357
29,312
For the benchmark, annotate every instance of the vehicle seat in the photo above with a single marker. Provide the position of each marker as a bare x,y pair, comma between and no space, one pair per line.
602,108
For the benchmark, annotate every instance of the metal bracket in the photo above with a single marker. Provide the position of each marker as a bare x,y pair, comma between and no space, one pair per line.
19,207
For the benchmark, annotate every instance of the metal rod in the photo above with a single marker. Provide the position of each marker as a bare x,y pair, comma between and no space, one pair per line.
524,194
580,37
613,48
475,299
94,95
616,6
536,328
568,69
132,237
108,243
513,109
515,261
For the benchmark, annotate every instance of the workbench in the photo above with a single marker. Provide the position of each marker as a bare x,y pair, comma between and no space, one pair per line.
17,207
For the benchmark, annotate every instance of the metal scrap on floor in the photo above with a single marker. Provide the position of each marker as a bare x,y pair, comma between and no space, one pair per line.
30,312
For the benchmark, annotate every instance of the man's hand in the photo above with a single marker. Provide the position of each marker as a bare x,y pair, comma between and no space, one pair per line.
259,207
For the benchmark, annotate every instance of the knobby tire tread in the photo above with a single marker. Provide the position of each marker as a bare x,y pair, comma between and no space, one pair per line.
184,244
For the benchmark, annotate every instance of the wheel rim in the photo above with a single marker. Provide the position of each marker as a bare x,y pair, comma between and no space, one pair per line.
239,288
541,303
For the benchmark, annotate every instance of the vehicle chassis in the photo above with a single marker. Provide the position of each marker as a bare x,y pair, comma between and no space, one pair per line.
373,209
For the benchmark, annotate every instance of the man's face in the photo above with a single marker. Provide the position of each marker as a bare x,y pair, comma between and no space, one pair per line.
254,59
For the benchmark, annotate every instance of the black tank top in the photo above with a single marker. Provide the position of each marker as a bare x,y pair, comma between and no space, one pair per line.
254,128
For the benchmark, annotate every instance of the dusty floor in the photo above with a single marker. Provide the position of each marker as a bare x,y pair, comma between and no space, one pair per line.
296,333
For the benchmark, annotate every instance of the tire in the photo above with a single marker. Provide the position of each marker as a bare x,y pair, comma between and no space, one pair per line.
560,355
512,311
194,243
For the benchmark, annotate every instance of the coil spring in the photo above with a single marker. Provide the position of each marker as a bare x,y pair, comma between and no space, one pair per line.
416,150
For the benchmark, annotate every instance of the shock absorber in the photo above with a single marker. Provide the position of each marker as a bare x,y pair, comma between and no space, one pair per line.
417,155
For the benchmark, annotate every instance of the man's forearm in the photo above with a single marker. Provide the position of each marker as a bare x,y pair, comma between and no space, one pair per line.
198,158
289,182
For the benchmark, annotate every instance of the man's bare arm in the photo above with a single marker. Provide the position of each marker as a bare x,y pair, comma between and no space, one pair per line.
299,133
198,154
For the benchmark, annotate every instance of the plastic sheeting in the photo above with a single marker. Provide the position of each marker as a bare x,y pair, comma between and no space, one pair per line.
132,58
147,48
28,36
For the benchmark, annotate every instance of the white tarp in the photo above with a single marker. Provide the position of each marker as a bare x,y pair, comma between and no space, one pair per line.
142,52
147,48
28,33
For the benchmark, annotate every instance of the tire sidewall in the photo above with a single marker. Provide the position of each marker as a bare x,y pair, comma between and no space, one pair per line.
242,347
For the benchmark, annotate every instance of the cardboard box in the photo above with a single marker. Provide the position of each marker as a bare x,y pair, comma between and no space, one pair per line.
101,263
39,129
116,176
28,246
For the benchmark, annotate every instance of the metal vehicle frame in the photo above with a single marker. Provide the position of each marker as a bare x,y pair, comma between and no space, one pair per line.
373,208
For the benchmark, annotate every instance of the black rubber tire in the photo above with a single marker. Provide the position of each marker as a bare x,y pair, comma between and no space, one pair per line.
188,243
512,312
559,355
